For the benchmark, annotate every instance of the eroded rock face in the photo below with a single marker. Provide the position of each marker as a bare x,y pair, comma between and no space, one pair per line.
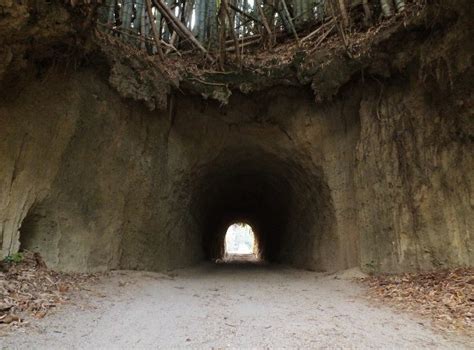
380,177
60,173
96,183
414,171
93,182
32,34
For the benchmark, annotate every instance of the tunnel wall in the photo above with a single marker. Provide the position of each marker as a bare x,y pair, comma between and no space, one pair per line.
94,182
283,135
79,168
415,171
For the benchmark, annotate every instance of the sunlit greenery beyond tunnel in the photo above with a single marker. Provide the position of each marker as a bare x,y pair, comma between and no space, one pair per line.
240,242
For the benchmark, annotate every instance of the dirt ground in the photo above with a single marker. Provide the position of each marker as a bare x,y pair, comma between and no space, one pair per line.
227,305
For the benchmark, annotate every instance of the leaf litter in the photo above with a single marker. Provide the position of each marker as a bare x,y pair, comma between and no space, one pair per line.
29,290
445,296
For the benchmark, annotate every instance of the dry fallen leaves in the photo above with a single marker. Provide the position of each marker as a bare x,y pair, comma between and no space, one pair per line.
30,289
446,296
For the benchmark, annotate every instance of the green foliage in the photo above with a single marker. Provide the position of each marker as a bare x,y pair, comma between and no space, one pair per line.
14,258
370,267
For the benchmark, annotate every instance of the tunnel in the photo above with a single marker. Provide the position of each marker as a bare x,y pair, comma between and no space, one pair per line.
284,198
286,203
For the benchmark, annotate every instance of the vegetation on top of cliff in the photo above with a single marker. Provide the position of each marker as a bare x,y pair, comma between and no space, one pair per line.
249,47
155,48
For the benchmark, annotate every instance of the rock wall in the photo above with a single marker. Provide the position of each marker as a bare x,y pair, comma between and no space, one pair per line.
79,168
380,177
94,182
415,180
37,32
414,160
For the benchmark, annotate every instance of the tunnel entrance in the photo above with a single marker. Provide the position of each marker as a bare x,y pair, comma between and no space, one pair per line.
240,243
273,195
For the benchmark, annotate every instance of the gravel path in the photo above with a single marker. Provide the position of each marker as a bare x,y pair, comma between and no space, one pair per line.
218,306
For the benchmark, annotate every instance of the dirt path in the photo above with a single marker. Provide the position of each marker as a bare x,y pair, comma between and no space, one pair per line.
218,306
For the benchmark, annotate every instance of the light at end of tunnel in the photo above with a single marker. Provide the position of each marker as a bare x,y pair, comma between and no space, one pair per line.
240,243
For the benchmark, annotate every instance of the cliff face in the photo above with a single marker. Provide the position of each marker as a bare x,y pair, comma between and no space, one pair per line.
94,182
414,163
381,176
36,33
414,171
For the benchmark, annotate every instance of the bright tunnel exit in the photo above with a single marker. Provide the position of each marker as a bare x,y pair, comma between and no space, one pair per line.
240,243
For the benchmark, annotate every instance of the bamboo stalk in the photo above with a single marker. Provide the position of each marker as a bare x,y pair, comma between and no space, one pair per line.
297,6
126,14
386,8
305,11
340,29
188,12
201,19
234,36
245,14
344,14
212,23
111,14
173,39
241,46
246,38
321,39
290,21
141,38
400,5
174,36
180,27
310,35
267,27
221,16
156,33
143,25
367,12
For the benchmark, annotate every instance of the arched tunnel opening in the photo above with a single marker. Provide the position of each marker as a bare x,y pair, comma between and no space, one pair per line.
286,201
240,244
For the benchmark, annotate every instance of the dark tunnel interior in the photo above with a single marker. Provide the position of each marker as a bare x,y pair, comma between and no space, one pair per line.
271,194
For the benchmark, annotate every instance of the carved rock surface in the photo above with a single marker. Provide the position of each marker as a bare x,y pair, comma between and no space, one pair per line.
380,176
